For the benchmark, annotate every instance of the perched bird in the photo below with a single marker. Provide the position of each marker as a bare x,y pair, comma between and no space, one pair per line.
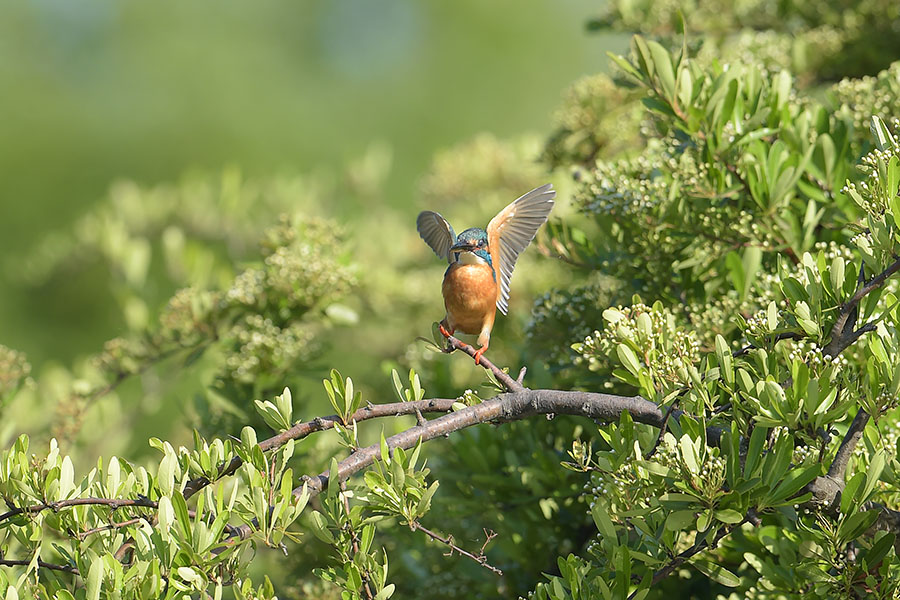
481,261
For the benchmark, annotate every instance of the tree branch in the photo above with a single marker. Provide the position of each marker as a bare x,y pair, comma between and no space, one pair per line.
503,377
787,335
842,333
481,559
5,562
113,503
683,557
502,409
110,526
848,445
305,428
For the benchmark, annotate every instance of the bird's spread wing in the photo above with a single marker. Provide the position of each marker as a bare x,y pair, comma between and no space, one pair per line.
437,233
512,230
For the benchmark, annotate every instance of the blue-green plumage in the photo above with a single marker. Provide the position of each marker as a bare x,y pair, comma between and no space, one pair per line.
474,240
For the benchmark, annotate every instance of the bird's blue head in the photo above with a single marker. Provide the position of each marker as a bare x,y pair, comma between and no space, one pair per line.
474,240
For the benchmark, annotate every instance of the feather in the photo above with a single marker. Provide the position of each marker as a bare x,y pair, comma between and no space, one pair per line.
437,233
510,232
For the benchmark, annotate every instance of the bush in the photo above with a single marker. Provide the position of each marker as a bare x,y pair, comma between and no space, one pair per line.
714,373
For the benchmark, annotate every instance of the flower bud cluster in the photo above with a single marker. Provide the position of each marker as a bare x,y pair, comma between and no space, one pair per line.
560,317
758,325
861,98
14,370
665,348
803,454
258,345
811,354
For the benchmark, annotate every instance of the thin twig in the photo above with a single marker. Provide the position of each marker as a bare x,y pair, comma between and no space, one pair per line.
354,538
842,334
788,335
664,426
110,526
683,557
481,559
503,377
112,503
6,562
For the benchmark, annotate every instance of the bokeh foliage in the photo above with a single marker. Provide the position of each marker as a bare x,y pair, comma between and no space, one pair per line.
728,197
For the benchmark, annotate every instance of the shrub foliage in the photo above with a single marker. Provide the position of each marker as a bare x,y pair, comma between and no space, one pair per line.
713,375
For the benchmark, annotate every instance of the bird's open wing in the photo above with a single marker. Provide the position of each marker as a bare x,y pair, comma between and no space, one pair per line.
437,233
512,230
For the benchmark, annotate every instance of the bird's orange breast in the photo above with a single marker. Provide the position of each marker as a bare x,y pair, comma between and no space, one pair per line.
470,295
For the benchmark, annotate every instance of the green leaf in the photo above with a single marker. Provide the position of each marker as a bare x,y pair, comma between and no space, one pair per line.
716,572
334,479
849,494
729,516
386,592
680,520
95,579
883,137
330,391
876,466
603,522
723,357
320,527
880,548
628,359
165,513
689,454
181,515
425,501
795,480
836,276
348,399
664,71
626,66
398,385
856,524
385,451
703,520
645,61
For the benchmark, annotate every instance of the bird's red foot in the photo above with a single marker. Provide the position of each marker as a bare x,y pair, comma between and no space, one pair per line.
478,354
444,331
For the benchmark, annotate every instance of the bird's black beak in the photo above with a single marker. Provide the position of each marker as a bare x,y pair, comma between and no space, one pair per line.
463,247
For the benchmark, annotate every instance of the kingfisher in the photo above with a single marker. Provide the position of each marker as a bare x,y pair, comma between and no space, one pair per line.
481,261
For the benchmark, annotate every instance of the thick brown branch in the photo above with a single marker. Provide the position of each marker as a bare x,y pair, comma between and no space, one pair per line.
305,428
848,445
504,408
826,490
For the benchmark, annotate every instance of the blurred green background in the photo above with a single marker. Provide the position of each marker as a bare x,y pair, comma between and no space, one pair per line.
147,91
378,109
